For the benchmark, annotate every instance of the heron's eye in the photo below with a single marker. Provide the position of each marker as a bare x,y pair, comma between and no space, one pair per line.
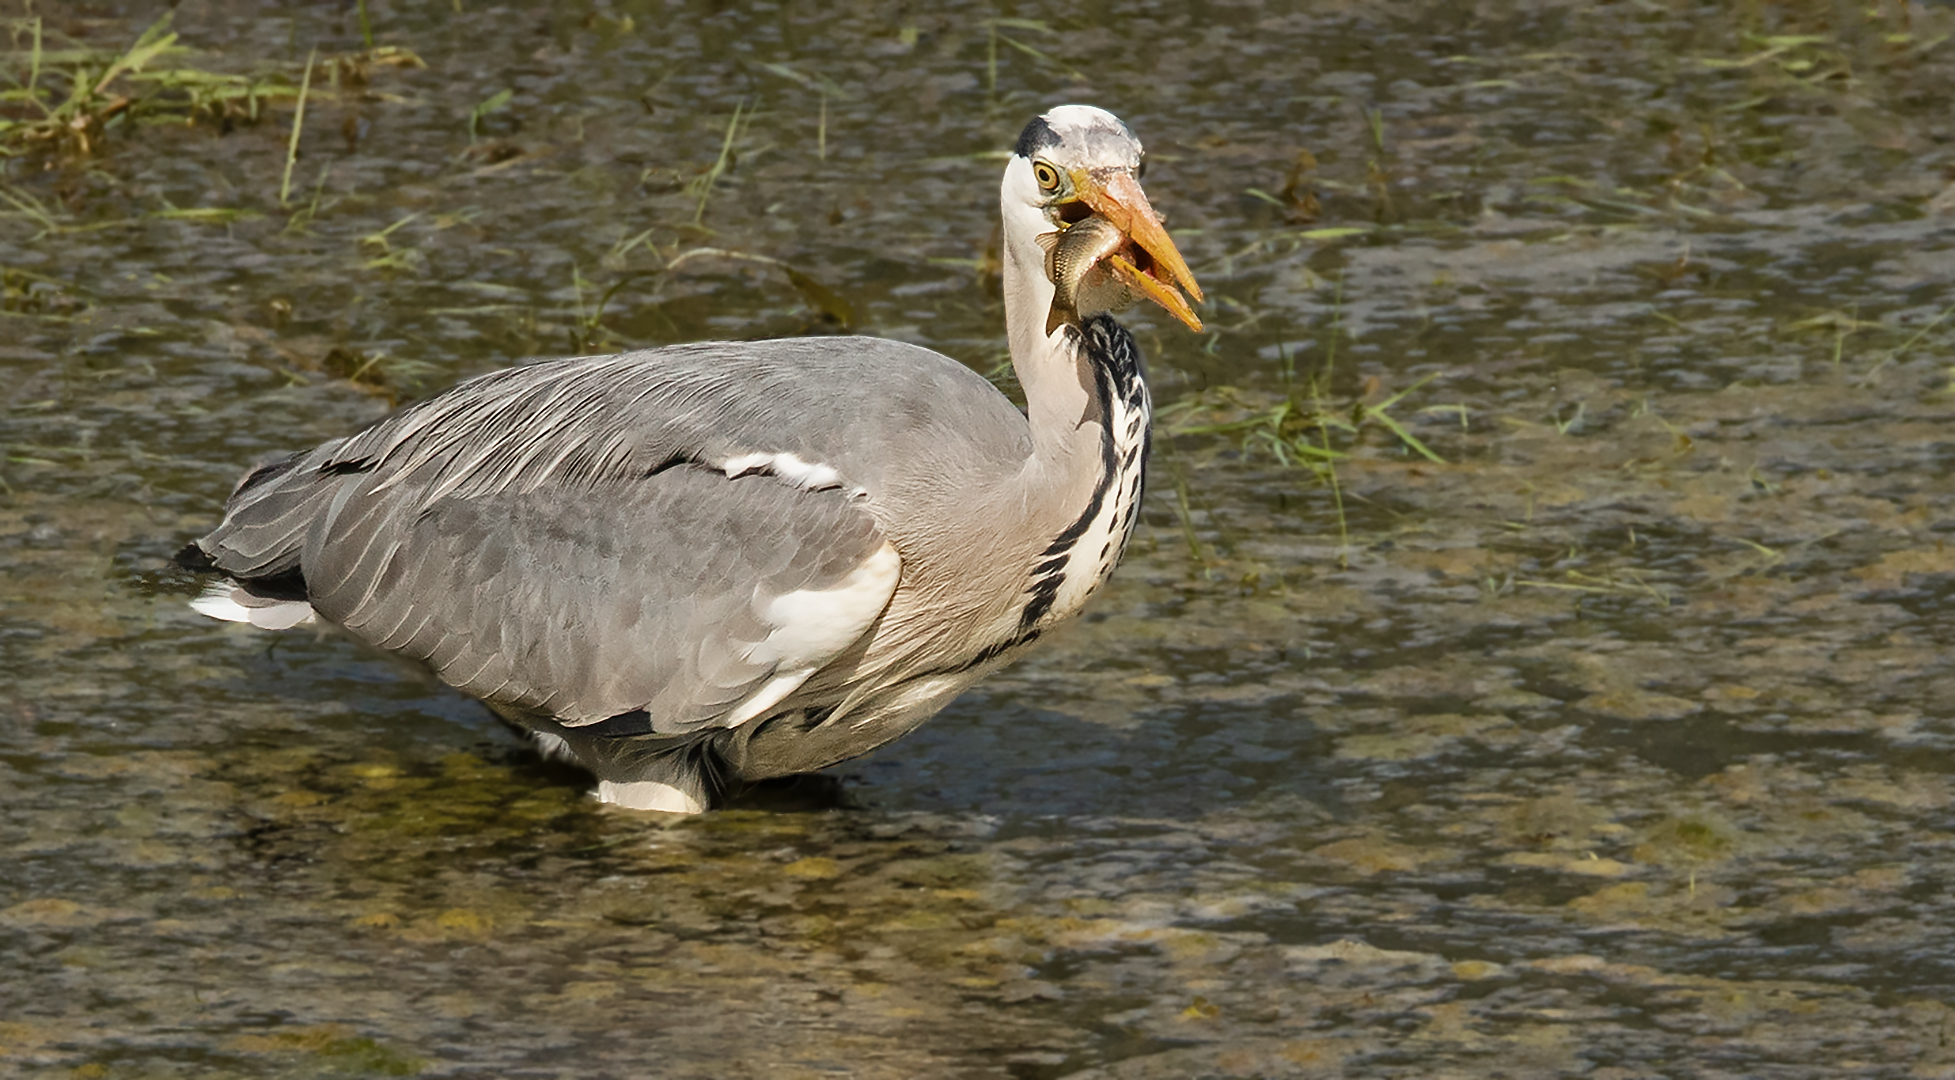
1046,175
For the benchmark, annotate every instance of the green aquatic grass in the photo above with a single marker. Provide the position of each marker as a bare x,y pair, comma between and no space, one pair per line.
490,105
298,125
1031,26
67,98
702,186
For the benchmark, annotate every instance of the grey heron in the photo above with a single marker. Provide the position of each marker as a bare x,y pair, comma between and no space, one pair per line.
698,566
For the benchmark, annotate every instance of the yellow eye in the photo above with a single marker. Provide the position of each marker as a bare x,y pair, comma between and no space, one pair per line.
1047,176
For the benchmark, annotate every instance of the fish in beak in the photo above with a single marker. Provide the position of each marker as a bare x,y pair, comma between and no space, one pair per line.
1149,264
1076,261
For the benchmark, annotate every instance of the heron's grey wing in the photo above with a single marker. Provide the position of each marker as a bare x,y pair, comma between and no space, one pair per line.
701,599
797,404
419,505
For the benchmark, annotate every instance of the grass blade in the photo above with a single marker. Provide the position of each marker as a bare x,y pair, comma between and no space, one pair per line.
298,125
148,45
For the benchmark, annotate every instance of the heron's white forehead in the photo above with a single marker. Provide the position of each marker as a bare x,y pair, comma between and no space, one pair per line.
1083,135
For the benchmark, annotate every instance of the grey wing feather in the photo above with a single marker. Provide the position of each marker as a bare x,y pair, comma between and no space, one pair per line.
653,597
573,424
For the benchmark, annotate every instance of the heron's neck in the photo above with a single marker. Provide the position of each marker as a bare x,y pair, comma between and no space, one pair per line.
1060,394
1089,415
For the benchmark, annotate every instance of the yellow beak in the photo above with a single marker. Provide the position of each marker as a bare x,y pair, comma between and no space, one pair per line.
1118,198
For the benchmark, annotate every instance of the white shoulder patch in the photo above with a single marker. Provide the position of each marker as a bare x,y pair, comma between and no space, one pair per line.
813,626
230,603
807,475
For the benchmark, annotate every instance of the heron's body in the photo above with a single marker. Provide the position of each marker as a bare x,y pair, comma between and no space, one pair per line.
698,565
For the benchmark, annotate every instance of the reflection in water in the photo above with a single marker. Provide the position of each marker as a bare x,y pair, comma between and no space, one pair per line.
1612,743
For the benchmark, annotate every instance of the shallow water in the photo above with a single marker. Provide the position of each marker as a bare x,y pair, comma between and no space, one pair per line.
1613,743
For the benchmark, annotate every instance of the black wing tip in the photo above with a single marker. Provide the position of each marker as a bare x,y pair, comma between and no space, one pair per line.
626,725
195,559
264,474
286,585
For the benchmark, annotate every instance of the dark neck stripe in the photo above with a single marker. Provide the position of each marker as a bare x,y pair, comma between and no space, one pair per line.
1115,362
989,653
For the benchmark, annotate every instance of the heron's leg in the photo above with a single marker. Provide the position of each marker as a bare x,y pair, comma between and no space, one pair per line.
651,795
648,775
553,746
676,775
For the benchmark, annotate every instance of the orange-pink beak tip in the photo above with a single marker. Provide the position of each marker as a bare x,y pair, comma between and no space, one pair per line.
1121,201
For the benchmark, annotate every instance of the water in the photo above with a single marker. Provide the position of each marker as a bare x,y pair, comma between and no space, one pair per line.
1614,743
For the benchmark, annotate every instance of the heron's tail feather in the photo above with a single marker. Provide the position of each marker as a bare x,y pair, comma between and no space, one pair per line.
231,602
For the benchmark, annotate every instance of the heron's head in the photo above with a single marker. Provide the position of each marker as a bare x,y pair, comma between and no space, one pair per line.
1076,161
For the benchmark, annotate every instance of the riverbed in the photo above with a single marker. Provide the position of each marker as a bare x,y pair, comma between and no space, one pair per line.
1530,663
